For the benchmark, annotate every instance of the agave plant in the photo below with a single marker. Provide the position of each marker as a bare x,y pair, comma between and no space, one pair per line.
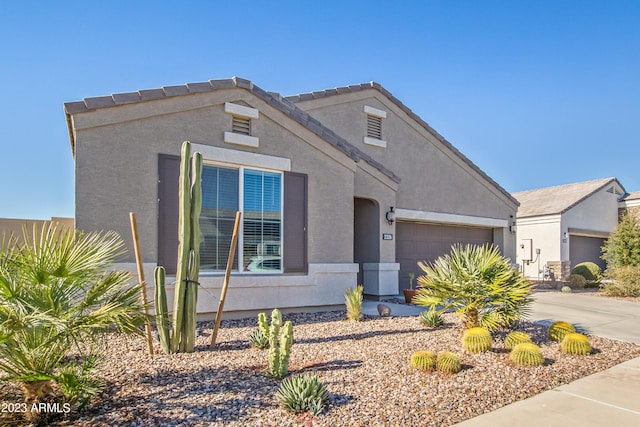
478,283
57,296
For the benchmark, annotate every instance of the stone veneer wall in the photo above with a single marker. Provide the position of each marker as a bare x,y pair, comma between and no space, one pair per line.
560,270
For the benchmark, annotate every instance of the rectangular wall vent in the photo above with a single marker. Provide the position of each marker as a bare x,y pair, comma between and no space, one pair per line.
241,125
374,127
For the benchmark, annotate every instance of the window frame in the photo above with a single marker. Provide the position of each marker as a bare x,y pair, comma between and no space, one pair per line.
240,245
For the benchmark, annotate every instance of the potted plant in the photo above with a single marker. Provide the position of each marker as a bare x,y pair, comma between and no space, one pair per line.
410,293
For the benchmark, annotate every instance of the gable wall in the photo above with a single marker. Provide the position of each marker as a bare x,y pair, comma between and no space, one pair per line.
117,157
433,178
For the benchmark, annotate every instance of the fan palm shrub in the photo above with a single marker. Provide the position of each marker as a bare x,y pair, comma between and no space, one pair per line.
478,283
57,298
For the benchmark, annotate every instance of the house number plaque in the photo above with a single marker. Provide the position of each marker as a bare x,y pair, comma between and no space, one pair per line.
387,236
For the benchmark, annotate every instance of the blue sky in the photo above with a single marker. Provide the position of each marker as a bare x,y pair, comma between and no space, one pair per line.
536,93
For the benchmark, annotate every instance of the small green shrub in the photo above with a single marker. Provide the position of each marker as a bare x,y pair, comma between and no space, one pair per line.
425,360
477,340
576,281
514,338
258,340
589,270
353,301
303,393
448,362
526,354
558,330
566,289
431,318
626,282
575,344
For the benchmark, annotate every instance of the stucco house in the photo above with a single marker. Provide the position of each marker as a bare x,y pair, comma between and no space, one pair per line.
336,188
559,227
630,204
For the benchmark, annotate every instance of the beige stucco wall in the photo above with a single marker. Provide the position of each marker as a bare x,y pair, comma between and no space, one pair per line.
434,179
117,173
117,156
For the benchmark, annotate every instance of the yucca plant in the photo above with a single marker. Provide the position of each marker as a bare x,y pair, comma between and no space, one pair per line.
514,338
58,295
353,300
448,362
431,318
477,340
575,344
478,283
558,330
303,393
425,360
526,354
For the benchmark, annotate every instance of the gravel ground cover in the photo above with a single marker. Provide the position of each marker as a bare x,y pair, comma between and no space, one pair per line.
364,366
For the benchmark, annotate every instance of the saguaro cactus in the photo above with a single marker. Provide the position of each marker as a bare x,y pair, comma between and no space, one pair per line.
185,298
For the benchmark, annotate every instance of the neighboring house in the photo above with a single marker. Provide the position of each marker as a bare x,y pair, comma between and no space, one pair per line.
336,188
559,227
630,204
14,226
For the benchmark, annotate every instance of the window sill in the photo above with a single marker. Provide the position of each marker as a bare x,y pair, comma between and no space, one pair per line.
375,142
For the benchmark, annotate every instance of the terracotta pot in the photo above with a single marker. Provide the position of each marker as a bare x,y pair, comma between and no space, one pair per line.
409,294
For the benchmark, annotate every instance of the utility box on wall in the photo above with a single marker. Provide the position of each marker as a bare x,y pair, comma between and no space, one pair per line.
526,247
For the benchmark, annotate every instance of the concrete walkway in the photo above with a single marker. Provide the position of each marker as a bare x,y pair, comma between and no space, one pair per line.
610,398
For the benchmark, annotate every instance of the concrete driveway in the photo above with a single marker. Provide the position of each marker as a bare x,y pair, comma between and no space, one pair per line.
604,317
609,398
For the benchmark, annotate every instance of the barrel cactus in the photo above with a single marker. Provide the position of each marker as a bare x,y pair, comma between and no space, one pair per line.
526,354
514,338
425,360
448,362
477,340
558,330
575,344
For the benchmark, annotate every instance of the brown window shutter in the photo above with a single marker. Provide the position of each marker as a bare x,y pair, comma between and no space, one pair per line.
295,223
168,177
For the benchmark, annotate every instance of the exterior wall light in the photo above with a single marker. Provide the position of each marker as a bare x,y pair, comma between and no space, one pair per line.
512,226
391,216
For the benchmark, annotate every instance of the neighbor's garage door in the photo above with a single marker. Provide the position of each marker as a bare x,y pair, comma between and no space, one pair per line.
426,242
584,249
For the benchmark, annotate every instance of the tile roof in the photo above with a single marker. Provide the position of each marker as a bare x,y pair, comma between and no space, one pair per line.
634,195
272,98
558,199
377,86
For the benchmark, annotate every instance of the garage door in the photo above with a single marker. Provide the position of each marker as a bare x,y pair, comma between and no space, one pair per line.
585,249
426,242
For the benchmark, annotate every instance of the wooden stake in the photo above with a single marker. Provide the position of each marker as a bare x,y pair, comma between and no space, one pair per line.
225,285
143,284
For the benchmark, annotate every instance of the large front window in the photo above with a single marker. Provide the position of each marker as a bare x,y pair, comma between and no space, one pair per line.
258,195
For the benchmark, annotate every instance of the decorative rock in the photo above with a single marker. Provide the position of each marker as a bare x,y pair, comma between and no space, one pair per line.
384,310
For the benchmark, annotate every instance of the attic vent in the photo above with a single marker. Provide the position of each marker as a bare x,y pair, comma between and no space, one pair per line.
374,127
241,125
